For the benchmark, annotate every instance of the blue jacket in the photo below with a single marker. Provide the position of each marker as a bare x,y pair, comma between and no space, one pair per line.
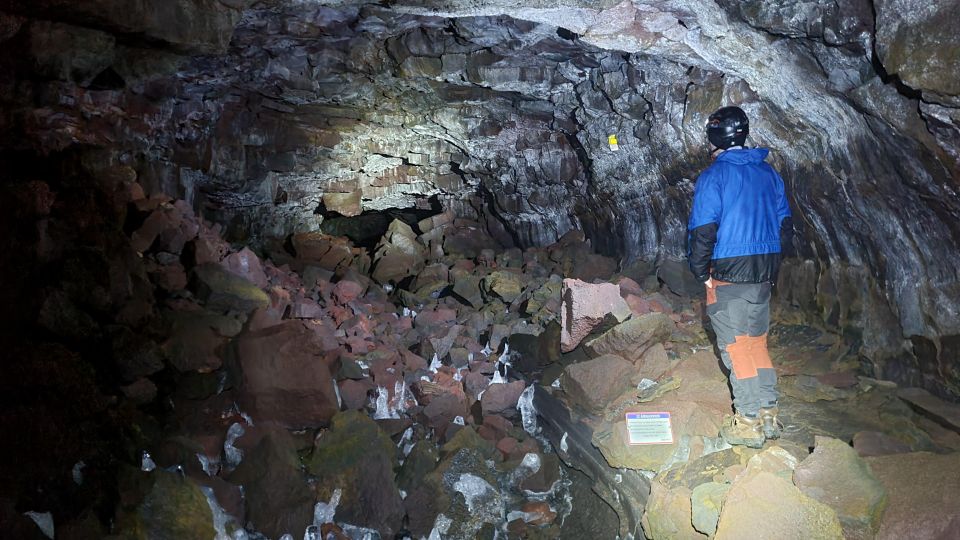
740,211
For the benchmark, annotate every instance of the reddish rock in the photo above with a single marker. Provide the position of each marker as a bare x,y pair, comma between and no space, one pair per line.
208,247
346,291
629,286
273,313
355,394
435,318
594,384
584,308
323,250
654,362
538,513
874,443
502,398
247,265
507,447
413,362
474,383
284,376
922,495
305,308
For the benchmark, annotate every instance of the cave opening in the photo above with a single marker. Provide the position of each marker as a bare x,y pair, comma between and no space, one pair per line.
275,268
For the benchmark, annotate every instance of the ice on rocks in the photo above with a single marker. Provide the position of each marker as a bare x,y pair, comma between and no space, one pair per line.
208,464
482,499
440,527
459,421
528,413
146,462
43,520
383,408
323,512
435,363
233,454
563,442
77,472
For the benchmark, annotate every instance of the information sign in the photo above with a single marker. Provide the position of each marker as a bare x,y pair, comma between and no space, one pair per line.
649,428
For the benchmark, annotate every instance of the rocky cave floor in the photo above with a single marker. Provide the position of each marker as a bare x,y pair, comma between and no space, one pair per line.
454,391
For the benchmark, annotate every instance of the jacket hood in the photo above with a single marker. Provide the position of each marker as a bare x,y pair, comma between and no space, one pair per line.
743,156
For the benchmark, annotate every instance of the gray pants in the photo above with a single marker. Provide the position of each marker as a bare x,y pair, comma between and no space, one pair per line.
740,315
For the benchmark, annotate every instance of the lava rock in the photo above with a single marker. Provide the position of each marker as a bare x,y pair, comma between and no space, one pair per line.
762,505
585,306
632,337
285,377
222,290
356,457
835,475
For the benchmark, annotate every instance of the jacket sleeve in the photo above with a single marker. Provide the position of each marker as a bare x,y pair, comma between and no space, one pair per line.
704,221
786,219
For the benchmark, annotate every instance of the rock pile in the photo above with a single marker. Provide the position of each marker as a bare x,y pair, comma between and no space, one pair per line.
322,388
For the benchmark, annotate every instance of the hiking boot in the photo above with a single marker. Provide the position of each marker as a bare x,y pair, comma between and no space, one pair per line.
742,430
771,425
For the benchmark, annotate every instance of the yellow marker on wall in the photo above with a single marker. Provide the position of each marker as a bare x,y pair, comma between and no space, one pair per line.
612,141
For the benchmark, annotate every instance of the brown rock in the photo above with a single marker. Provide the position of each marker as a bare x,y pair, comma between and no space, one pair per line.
584,307
874,443
538,513
284,376
631,338
835,475
247,265
668,514
502,398
594,384
761,505
921,490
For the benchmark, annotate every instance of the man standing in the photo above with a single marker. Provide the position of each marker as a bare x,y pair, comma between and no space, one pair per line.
739,223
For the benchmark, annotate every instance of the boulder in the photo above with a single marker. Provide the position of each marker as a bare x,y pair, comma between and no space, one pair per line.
585,306
323,250
947,414
678,278
466,289
632,337
502,398
761,505
175,508
503,284
835,475
221,290
915,45
278,499
247,265
921,490
689,420
357,458
592,385
285,376
668,514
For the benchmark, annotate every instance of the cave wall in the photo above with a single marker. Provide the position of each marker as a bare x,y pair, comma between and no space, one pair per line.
268,116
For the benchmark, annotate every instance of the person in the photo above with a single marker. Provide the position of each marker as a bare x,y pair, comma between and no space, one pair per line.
739,224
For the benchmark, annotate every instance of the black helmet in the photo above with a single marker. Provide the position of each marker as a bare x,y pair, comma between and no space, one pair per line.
728,126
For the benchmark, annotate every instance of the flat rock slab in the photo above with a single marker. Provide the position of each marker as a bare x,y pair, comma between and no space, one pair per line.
922,493
593,384
947,414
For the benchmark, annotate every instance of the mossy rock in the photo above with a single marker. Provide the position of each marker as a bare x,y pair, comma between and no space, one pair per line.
173,509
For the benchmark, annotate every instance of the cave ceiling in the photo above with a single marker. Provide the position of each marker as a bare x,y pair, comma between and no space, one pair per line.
274,116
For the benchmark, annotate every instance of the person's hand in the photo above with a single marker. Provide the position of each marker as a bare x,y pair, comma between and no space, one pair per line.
709,283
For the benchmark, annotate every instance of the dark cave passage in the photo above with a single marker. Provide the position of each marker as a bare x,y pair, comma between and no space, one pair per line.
277,268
